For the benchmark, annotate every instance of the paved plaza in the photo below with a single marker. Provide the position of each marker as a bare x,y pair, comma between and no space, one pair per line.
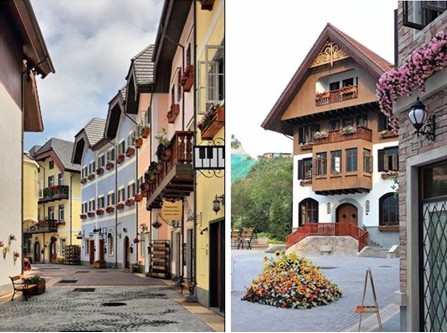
79,298
348,272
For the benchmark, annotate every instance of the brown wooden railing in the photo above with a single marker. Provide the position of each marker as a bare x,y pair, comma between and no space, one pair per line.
43,226
334,96
328,229
361,132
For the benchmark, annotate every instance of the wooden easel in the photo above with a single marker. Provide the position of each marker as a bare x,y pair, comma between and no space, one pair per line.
361,309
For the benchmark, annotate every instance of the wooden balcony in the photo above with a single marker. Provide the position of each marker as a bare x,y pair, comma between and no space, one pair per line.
44,226
361,133
56,192
335,96
175,179
328,229
342,183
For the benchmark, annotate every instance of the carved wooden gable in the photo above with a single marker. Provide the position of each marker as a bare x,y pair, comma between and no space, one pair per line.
329,53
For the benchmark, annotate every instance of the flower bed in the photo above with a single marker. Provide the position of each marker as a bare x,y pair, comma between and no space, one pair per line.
290,281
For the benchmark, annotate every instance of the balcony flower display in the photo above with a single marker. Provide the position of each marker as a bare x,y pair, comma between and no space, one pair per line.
100,171
120,205
130,202
138,142
348,130
120,158
212,121
320,135
138,197
109,165
414,71
91,214
173,112
83,216
162,138
91,176
145,131
130,151
290,281
83,180
187,79
110,209
100,211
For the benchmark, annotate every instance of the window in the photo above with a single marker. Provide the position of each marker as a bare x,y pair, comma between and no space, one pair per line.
92,167
110,199
61,213
388,159
306,133
131,139
362,120
121,147
367,160
383,123
351,160
188,54
39,215
62,242
110,243
335,162
101,161
130,190
334,124
388,210
308,211
101,202
321,164
305,168
348,122
50,213
121,194
51,181
348,82
51,165
84,172
84,207
111,155
418,14
334,86
91,205
60,179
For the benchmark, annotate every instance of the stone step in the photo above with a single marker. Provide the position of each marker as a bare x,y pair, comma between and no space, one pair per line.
373,252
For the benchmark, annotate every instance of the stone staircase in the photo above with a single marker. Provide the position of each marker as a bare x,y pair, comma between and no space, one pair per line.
373,250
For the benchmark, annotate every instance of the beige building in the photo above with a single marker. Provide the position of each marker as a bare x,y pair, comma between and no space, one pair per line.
30,199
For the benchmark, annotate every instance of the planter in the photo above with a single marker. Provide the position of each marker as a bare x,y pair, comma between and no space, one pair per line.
130,202
91,176
138,197
217,122
110,209
188,78
83,180
109,165
130,151
120,158
99,171
173,113
138,142
120,205
91,214
145,132
38,289
99,265
83,216
99,211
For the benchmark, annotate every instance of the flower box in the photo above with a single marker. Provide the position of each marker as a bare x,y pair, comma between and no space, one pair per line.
109,165
110,209
130,202
305,182
138,197
145,132
216,123
99,171
188,78
120,158
388,134
83,180
83,216
130,151
206,4
91,214
389,174
120,205
138,142
100,211
38,289
173,113
91,176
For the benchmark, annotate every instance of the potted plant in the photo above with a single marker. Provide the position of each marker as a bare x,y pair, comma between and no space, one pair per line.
120,205
100,171
173,113
109,165
83,216
120,158
145,131
348,130
130,151
164,143
100,211
91,176
138,197
110,209
83,181
100,264
138,142
187,79
39,283
130,202
91,214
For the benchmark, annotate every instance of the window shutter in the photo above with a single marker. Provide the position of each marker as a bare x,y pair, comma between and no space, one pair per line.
381,159
394,162
300,169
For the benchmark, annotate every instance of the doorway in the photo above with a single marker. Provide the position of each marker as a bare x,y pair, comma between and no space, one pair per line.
347,213
91,252
53,250
37,252
126,258
217,264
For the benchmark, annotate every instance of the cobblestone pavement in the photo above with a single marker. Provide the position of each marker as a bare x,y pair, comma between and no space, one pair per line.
78,299
348,272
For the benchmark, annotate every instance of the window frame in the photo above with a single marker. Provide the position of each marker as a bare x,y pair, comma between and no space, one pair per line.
351,160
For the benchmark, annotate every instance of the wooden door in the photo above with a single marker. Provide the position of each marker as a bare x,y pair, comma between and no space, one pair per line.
36,252
217,264
347,213
91,251
101,249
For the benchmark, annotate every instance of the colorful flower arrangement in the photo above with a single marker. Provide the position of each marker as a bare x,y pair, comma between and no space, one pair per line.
15,255
207,118
415,70
290,281
136,240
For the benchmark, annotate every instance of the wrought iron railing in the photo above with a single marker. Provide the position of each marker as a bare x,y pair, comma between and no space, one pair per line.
328,229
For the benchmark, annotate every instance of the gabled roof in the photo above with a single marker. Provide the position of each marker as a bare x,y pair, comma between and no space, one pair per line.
62,150
143,67
370,61
91,134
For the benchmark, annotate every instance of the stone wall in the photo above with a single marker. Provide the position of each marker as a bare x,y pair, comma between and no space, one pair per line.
333,245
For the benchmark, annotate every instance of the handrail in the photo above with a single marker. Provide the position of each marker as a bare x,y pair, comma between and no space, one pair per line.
328,229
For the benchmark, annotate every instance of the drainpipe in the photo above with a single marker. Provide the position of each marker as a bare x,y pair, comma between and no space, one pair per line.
194,230
22,102
71,206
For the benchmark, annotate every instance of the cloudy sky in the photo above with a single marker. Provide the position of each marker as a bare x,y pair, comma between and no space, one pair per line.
266,42
91,44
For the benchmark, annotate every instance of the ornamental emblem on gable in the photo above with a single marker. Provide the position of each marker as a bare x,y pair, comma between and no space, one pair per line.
329,53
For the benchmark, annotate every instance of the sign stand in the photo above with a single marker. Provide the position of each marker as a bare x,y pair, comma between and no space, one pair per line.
361,309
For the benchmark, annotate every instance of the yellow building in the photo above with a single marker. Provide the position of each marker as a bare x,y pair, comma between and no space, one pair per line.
59,204
30,198
209,156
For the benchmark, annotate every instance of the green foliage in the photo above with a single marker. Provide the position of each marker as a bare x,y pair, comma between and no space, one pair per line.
235,143
33,279
263,199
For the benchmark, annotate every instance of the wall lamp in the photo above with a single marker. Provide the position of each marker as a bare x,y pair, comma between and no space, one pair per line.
423,124
156,224
217,201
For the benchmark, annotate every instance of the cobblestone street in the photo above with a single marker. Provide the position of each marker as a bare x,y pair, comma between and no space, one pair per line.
78,298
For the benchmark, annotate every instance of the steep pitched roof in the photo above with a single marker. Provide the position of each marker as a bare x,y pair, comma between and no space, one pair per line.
62,149
143,66
370,61
94,130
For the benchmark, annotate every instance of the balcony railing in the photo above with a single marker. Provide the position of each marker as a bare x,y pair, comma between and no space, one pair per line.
56,192
345,134
44,226
174,177
328,229
335,96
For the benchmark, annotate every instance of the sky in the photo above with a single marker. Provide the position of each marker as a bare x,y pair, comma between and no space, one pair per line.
91,44
266,42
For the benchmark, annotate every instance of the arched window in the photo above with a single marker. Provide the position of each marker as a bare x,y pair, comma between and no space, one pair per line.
308,211
389,210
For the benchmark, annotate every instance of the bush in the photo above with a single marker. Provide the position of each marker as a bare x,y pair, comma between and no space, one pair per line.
33,279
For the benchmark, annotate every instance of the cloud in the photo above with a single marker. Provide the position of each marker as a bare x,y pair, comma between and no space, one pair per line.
91,44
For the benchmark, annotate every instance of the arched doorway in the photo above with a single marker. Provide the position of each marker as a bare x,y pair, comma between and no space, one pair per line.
347,213
53,249
126,252
37,252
